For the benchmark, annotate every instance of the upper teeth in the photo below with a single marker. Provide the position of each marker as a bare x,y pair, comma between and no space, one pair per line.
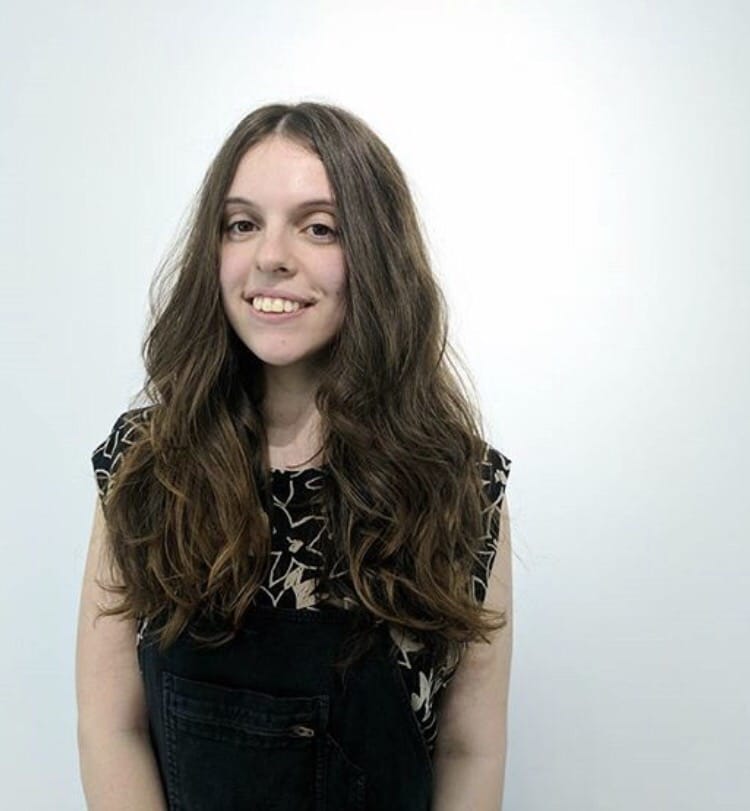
275,305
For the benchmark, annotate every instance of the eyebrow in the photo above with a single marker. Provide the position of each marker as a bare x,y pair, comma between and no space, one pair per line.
320,203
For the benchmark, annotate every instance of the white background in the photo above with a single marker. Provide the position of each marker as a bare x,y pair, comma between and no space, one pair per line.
582,172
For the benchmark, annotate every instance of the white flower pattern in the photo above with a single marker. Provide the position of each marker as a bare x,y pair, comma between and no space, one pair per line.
298,536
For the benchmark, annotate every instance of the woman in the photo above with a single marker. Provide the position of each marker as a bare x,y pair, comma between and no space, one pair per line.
306,532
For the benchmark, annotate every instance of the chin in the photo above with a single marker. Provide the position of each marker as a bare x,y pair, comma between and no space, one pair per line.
281,360
307,359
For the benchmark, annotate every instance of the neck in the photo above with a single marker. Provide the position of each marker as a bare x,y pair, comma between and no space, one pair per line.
291,418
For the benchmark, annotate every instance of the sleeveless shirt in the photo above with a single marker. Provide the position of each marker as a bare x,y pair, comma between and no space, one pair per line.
299,535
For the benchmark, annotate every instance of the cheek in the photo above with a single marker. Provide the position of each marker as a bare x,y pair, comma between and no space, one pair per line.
230,276
338,299
338,280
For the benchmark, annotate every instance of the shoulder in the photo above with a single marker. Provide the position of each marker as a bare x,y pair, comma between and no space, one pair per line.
122,434
107,455
495,469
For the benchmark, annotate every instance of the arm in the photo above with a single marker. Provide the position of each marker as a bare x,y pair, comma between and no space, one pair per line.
119,773
471,746
117,763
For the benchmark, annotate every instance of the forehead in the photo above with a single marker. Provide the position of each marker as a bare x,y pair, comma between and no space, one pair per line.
278,168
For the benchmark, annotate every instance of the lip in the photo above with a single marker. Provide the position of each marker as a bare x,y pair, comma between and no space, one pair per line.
275,318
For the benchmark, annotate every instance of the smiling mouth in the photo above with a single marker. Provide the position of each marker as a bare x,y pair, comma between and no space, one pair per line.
264,304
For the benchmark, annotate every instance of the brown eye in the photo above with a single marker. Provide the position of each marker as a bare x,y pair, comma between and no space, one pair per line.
232,225
329,232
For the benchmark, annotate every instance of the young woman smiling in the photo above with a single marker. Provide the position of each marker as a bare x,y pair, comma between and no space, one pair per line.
298,588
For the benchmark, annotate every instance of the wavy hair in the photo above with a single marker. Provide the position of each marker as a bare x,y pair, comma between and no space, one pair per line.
402,439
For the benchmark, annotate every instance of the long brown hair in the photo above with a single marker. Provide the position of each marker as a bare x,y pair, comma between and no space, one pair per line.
402,438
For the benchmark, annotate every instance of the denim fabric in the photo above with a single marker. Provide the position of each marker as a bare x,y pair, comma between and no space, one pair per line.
264,723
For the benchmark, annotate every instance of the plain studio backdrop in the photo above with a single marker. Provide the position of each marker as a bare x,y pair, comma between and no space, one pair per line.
582,172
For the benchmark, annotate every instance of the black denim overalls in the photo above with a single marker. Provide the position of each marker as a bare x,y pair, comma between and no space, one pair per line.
264,723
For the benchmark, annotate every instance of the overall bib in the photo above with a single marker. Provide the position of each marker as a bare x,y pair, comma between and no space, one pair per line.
264,723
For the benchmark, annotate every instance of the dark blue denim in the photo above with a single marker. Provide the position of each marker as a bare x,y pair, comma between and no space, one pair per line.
264,723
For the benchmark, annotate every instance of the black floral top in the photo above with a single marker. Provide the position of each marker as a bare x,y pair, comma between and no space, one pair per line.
299,536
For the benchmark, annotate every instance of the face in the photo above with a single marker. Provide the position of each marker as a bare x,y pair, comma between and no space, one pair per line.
280,241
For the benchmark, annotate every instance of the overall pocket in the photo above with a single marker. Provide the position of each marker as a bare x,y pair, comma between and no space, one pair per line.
235,748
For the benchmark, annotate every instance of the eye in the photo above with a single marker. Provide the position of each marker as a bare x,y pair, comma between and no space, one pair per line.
330,232
230,226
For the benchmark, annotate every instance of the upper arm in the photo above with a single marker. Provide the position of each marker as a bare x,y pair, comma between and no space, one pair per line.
473,708
109,687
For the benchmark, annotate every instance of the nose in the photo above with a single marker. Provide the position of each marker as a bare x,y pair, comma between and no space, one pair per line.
272,251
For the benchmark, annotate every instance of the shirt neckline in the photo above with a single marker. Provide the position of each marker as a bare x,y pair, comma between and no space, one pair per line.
289,471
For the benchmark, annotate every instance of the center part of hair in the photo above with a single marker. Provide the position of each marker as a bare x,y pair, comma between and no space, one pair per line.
276,305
